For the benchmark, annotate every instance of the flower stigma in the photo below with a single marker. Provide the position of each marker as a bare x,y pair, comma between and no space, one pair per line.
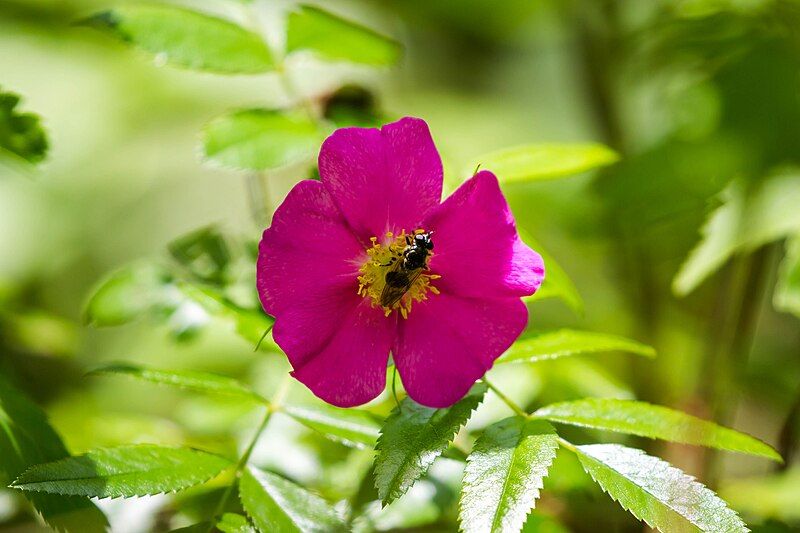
409,286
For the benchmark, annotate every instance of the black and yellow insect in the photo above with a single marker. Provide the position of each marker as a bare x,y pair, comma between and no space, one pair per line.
406,268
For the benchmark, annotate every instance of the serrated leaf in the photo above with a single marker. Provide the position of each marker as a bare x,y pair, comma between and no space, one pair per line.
556,284
351,427
336,39
21,134
124,471
748,218
276,504
413,437
656,492
536,162
567,342
504,474
653,421
184,379
234,523
261,139
787,289
186,38
26,438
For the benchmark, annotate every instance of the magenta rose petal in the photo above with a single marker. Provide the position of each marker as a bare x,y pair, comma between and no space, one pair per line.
382,180
350,369
448,342
478,252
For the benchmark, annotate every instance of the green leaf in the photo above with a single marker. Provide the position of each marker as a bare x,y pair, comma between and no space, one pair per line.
567,342
186,38
277,504
536,162
787,290
336,39
184,379
413,437
261,139
234,523
129,293
124,471
653,421
556,284
749,217
21,134
204,252
351,427
26,438
504,474
656,492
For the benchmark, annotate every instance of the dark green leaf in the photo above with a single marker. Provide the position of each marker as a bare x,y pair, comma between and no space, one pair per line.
535,162
21,133
277,504
567,342
261,139
124,471
504,474
787,290
413,437
656,492
348,426
185,379
204,252
26,438
653,421
336,39
186,38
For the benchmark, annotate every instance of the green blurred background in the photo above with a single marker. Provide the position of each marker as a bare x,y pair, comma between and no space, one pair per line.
692,94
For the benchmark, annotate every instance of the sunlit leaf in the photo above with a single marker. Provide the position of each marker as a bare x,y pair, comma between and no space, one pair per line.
413,437
567,342
26,439
184,379
556,284
504,474
336,39
186,38
124,471
129,293
787,289
656,492
234,523
536,162
276,504
348,426
748,218
261,139
21,134
653,421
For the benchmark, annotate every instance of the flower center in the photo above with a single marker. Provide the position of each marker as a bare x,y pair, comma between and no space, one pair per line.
396,273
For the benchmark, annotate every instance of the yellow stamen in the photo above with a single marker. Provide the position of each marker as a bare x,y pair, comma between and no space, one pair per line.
387,257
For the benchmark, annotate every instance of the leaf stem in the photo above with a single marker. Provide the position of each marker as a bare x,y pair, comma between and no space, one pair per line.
274,405
508,401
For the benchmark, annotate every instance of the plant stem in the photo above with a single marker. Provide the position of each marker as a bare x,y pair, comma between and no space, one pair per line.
274,405
508,401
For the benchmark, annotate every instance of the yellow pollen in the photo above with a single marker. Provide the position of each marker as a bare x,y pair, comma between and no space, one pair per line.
384,258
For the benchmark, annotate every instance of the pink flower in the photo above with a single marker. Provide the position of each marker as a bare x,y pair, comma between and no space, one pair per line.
322,269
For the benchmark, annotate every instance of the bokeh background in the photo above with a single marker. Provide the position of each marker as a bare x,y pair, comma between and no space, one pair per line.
693,95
